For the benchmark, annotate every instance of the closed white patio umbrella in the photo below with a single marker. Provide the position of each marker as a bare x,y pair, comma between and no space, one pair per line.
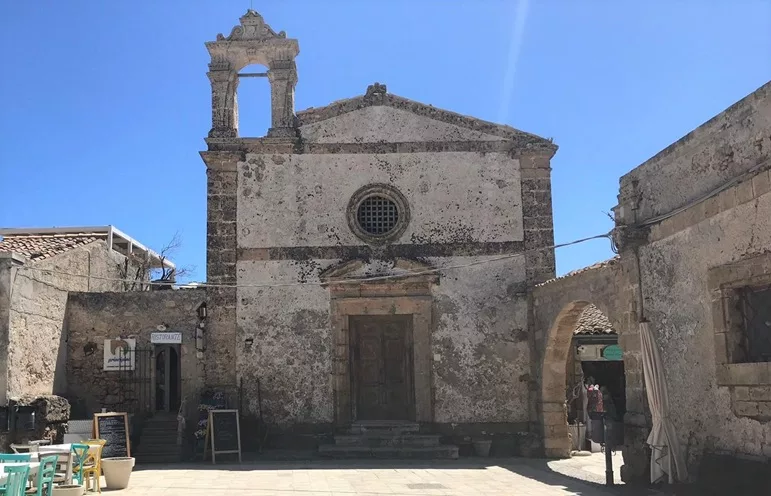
667,457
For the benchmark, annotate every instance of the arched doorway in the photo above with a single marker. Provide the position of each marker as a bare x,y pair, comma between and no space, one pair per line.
581,343
167,378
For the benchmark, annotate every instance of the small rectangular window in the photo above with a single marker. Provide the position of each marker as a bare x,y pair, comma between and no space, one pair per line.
755,305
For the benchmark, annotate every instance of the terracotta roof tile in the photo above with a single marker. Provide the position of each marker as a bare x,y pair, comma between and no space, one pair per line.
599,265
41,246
593,321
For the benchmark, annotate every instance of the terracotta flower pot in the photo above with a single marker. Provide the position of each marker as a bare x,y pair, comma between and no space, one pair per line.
68,490
117,472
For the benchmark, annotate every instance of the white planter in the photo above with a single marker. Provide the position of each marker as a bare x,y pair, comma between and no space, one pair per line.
482,447
117,472
68,490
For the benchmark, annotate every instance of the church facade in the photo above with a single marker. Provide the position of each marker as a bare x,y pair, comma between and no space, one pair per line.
371,259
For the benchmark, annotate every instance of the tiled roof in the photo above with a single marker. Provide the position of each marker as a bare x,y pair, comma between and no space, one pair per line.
593,321
41,246
599,265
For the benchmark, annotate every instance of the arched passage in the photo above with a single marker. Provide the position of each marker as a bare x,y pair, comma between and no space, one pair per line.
574,352
557,307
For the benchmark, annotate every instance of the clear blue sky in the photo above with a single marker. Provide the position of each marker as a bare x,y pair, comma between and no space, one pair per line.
106,104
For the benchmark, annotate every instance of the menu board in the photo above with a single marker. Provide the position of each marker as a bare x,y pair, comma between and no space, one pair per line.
113,428
224,431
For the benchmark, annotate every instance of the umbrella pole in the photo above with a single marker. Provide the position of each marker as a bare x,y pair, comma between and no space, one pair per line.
608,450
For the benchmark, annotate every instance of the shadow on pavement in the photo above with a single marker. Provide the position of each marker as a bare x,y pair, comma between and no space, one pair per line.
535,469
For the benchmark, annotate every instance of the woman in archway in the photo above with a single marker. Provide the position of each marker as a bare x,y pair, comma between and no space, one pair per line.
596,409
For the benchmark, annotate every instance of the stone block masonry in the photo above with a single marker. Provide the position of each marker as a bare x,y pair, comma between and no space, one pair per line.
93,318
32,323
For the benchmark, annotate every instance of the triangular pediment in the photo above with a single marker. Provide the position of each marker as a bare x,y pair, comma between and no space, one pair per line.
377,270
379,117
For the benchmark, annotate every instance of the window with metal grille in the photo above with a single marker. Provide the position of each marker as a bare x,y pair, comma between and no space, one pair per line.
756,316
377,215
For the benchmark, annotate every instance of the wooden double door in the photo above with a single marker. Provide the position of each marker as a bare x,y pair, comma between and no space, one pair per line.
382,368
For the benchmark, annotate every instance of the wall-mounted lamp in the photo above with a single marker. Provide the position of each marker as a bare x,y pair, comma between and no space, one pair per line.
201,311
249,341
200,334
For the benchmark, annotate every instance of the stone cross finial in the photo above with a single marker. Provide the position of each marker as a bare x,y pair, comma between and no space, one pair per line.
375,93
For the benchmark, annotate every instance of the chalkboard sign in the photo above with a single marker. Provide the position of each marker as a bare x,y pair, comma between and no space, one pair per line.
113,428
224,431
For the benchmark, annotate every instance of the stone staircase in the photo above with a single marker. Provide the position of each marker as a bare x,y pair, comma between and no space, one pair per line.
158,442
381,439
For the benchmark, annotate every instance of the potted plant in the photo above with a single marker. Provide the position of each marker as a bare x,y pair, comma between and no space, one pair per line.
117,471
68,490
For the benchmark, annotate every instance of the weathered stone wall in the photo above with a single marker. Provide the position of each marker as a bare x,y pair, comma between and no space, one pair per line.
279,215
679,303
36,344
482,341
727,145
372,124
94,317
291,349
280,209
677,257
8,263
287,201
479,335
220,361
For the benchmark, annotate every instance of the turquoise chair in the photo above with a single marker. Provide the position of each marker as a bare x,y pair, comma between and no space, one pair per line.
17,480
15,457
81,455
45,476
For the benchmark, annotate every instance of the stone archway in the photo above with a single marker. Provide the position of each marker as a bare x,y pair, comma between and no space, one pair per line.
557,307
554,373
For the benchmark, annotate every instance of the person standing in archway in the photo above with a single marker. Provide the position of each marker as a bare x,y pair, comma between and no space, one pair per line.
596,408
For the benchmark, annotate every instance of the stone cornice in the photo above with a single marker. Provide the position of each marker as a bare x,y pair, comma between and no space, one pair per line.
376,95
297,146
387,252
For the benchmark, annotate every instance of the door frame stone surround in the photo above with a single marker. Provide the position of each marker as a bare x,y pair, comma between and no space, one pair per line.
405,295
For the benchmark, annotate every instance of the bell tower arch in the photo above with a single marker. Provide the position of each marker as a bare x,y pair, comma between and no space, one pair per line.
252,42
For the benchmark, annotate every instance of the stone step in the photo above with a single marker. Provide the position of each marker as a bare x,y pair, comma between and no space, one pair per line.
375,440
443,452
383,427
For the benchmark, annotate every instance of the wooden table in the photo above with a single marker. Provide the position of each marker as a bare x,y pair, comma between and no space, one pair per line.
33,466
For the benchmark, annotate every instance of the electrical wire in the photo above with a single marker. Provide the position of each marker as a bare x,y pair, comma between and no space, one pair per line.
607,235
749,172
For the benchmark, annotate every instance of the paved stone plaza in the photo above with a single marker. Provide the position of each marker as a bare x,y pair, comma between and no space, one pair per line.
366,477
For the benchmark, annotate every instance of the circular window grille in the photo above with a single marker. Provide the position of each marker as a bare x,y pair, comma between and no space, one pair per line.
377,215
